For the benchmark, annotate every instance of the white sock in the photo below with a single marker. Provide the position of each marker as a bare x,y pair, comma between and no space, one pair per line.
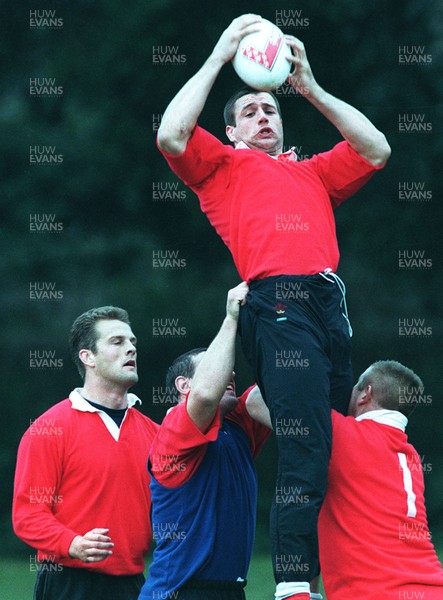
288,588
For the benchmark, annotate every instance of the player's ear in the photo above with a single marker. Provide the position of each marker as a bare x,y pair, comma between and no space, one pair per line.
366,395
230,129
87,357
182,384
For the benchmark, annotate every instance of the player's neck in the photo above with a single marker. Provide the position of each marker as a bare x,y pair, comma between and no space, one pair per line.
111,396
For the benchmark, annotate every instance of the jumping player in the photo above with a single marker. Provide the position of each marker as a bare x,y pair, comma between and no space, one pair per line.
373,531
296,304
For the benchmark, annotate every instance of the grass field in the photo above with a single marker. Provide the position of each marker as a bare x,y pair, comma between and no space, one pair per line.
17,579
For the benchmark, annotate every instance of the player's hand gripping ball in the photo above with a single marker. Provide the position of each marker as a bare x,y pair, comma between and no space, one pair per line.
260,60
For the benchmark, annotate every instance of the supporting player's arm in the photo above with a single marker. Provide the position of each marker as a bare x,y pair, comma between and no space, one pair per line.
257,409
180,117
214,371
356,129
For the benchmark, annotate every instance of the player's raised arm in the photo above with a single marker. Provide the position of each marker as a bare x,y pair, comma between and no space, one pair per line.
215,369
182,113
257,408
356,129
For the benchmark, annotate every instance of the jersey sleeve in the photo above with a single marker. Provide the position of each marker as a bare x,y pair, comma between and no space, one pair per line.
337,420
343,171
204,154
256,432
342,433
179,446
36,490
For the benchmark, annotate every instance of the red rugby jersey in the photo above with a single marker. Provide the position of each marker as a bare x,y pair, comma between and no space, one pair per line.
72,475
373,532
274,215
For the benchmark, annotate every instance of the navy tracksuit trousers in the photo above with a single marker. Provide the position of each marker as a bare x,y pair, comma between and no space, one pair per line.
57,582
297,341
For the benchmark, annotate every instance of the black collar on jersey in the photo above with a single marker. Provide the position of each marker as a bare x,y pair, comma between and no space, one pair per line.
116,414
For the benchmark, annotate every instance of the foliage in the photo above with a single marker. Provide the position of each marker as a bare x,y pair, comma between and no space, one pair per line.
102,194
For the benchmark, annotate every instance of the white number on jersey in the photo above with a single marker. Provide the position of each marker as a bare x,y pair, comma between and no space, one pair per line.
407,483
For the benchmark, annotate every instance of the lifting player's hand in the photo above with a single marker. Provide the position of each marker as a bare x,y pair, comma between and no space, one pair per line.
236,299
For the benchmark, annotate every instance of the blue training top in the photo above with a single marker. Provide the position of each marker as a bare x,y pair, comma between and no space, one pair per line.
204,529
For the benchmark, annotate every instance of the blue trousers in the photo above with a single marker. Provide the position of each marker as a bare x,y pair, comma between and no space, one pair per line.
297,342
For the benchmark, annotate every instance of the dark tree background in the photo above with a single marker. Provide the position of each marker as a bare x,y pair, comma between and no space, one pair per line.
85,83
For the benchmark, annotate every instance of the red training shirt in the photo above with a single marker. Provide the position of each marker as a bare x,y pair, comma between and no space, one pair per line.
72,476
274,215
373,532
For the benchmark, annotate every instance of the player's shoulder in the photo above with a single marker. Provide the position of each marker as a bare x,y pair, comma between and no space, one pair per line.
177,419
144,420
348,429
202,137
60,410
338,419
343,426
51,423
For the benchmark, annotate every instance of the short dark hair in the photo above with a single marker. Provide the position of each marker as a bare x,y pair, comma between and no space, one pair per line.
395,387
83,332
183,365
229,110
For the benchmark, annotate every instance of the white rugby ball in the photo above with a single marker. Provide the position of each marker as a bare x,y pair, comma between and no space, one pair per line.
260,60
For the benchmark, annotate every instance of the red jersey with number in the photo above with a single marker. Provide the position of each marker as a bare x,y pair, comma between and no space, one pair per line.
373,531
274,214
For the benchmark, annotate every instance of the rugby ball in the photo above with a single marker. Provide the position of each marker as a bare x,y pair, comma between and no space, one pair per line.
260,60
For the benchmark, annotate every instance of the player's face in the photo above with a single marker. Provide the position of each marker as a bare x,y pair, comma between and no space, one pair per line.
115,360
258,123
